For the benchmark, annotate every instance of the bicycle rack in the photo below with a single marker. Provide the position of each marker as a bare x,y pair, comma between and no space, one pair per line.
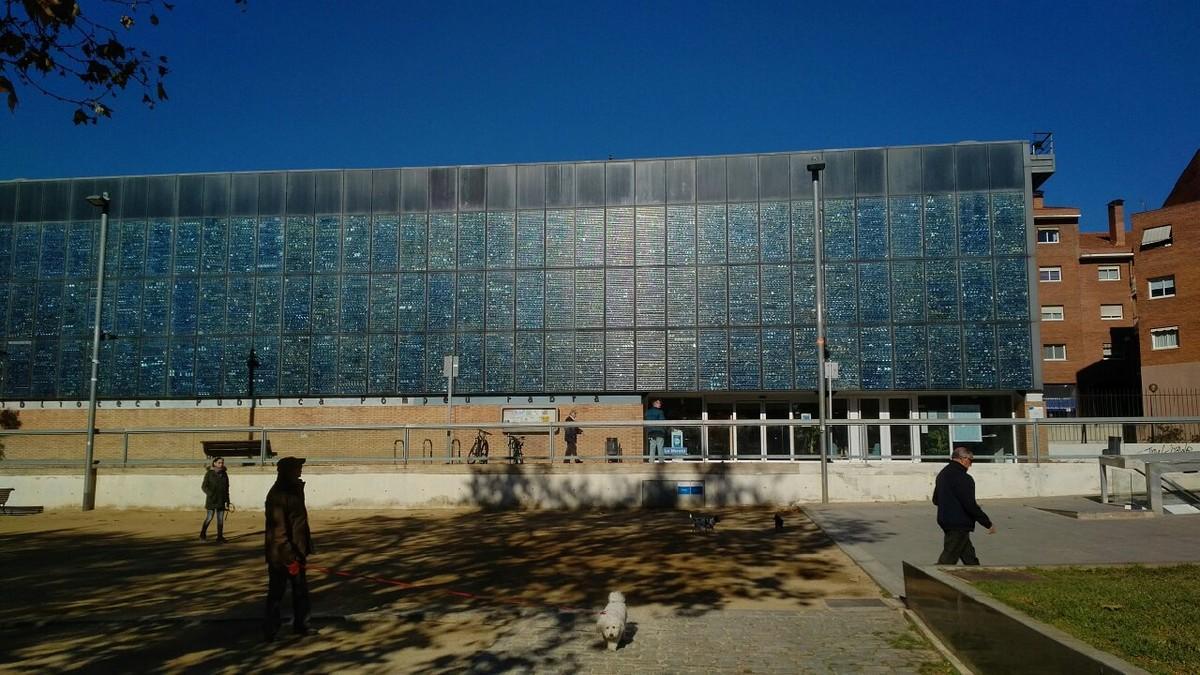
427,449
455,451
398,442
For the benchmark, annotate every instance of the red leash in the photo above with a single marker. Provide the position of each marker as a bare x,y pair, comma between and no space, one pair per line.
459,594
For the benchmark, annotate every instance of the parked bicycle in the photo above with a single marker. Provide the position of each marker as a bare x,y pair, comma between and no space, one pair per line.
479,449
516,445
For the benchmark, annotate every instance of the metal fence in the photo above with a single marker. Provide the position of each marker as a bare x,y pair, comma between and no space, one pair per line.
621,441
1117,404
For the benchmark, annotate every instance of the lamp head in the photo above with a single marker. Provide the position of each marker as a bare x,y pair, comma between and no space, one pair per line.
101,200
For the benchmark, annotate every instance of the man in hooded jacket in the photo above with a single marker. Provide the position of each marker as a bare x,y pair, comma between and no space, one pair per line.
288,545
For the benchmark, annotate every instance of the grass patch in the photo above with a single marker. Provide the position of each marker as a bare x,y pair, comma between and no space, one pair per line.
1145,615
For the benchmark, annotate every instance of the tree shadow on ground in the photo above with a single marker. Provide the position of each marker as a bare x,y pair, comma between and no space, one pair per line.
462,580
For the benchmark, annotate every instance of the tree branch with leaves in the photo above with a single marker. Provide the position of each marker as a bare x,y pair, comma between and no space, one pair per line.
55,48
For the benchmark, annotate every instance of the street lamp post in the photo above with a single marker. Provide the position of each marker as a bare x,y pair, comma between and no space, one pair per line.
818,242
100,201
251,363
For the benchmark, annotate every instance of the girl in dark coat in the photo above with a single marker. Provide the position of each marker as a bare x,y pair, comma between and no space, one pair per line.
216,498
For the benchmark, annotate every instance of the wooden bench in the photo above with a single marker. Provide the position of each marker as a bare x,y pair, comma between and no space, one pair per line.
245,448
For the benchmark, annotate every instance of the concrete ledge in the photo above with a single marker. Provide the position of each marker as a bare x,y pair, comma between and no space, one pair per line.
991,637
555,486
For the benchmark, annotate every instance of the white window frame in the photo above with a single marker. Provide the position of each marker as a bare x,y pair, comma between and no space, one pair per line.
1165,330
1053,239
1120,313
1051,316
1108,268
1052,349
1106,351
1150,287
1051,271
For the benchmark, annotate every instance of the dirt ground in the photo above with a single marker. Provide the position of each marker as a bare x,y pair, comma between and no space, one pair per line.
114,590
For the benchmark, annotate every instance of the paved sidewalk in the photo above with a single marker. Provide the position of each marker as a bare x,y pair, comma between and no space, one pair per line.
879,537
845,640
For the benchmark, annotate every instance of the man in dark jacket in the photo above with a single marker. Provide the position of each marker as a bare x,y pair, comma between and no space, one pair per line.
954,495
288,545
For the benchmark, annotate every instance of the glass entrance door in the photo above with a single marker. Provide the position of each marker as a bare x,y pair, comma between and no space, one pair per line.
778,446
749,438
899,437
805,439
719,437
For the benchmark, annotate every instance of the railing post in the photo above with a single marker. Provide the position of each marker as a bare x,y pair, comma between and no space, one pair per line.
262,447
550,435
125,448
1037,443
406,446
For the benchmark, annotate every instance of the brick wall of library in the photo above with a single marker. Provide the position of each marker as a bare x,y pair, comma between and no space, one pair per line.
372,445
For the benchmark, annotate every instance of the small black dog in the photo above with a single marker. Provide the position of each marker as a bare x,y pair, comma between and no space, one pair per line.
701,523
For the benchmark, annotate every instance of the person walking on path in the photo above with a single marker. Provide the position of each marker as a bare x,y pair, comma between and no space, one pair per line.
957,511
571,433
216,498
656,435
288,545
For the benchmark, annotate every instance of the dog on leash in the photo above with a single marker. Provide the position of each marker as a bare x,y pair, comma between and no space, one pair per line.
703,523
612,620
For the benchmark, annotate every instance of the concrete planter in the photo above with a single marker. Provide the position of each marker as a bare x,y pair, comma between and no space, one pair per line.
991,637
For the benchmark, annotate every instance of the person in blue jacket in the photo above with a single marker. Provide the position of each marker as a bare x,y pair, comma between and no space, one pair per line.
657,436
957,510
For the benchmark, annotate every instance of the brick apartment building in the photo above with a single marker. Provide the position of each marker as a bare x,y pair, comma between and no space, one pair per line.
1088,316
1167,289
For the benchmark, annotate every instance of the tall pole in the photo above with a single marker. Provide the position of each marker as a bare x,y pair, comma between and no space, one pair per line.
89,477
251,364
819,243
450,370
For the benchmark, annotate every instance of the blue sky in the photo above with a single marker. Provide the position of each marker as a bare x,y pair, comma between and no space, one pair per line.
318,84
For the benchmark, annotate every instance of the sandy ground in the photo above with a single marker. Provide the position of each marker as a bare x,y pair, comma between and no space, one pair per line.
114,590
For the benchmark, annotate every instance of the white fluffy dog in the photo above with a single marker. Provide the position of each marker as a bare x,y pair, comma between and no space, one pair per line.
612,620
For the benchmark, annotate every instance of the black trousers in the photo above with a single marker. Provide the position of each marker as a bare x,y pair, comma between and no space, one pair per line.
957,546
278,580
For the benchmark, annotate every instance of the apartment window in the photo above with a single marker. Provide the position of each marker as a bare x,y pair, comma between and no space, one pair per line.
1054,352
1106,351
1049,274
1052,313
1164,338
1048,235
1111,312
1110,273
1162,287
1156,236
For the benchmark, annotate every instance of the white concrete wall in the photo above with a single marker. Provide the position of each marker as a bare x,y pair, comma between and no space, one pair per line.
743,484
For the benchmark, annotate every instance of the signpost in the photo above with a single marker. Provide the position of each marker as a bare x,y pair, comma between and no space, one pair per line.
450,370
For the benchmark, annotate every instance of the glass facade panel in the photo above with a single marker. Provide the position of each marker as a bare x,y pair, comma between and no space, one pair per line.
499,363
975,236
743,295
681,235
743,233
651,232
681,360
651,284
839,229
501,239
651,360
620,237
530,368
641,289
872,232
745,353
713,359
